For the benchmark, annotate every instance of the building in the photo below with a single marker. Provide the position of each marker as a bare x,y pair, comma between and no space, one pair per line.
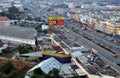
46,66
4,21
92,64
19,6
17,34
117,32
105,27
71,5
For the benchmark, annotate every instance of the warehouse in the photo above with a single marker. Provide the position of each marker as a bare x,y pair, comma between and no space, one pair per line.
18,34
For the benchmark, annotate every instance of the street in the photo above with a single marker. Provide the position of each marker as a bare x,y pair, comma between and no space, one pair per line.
70,30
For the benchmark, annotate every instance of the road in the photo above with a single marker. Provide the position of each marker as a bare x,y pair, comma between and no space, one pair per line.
103,53
81,40
96,37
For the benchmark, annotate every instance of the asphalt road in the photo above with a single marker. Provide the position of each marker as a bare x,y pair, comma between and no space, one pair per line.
83,41
113,46
104,54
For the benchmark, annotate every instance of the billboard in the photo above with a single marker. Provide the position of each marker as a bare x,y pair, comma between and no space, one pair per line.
56,21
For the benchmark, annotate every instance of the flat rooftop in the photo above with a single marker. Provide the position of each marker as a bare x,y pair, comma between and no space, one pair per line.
17,31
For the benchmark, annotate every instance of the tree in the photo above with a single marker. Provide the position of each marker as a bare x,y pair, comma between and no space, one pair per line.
22,49
45,31
38,71
5,51
35,76
54,73
38,19
13,74
7,67
1,75
2,14
29,46
29,18
22,24
39,28
13,10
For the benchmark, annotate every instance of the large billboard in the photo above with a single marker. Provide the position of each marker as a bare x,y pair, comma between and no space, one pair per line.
56,21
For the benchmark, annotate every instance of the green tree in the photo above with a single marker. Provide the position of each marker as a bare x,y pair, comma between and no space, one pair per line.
38,19
1,75
12,74
45,31
2,14
5,51
39,28
22,24
29,18
22,49
38,71
29,46
54,73
7,67
35,76
13,10
10,16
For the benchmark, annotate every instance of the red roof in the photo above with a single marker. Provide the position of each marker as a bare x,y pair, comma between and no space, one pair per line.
1,44
57,48
3,18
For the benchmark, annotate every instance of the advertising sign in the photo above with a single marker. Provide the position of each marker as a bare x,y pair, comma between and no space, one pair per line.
56,21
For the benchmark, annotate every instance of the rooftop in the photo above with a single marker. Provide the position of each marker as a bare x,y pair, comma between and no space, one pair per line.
3,18
47,65
33,54
17,31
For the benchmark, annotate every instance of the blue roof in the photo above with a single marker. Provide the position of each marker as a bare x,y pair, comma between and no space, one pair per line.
117,36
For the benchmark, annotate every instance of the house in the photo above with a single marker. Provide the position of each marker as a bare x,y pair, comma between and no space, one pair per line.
4,21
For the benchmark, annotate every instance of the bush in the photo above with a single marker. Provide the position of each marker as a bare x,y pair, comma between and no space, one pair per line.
22,49
7,67
1,75
6,51
12,74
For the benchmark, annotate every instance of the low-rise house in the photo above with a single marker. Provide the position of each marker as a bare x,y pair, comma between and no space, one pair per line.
4,21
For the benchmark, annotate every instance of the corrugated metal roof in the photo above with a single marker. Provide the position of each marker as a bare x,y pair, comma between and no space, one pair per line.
47,65
17,31
77,54
33,54
80,72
